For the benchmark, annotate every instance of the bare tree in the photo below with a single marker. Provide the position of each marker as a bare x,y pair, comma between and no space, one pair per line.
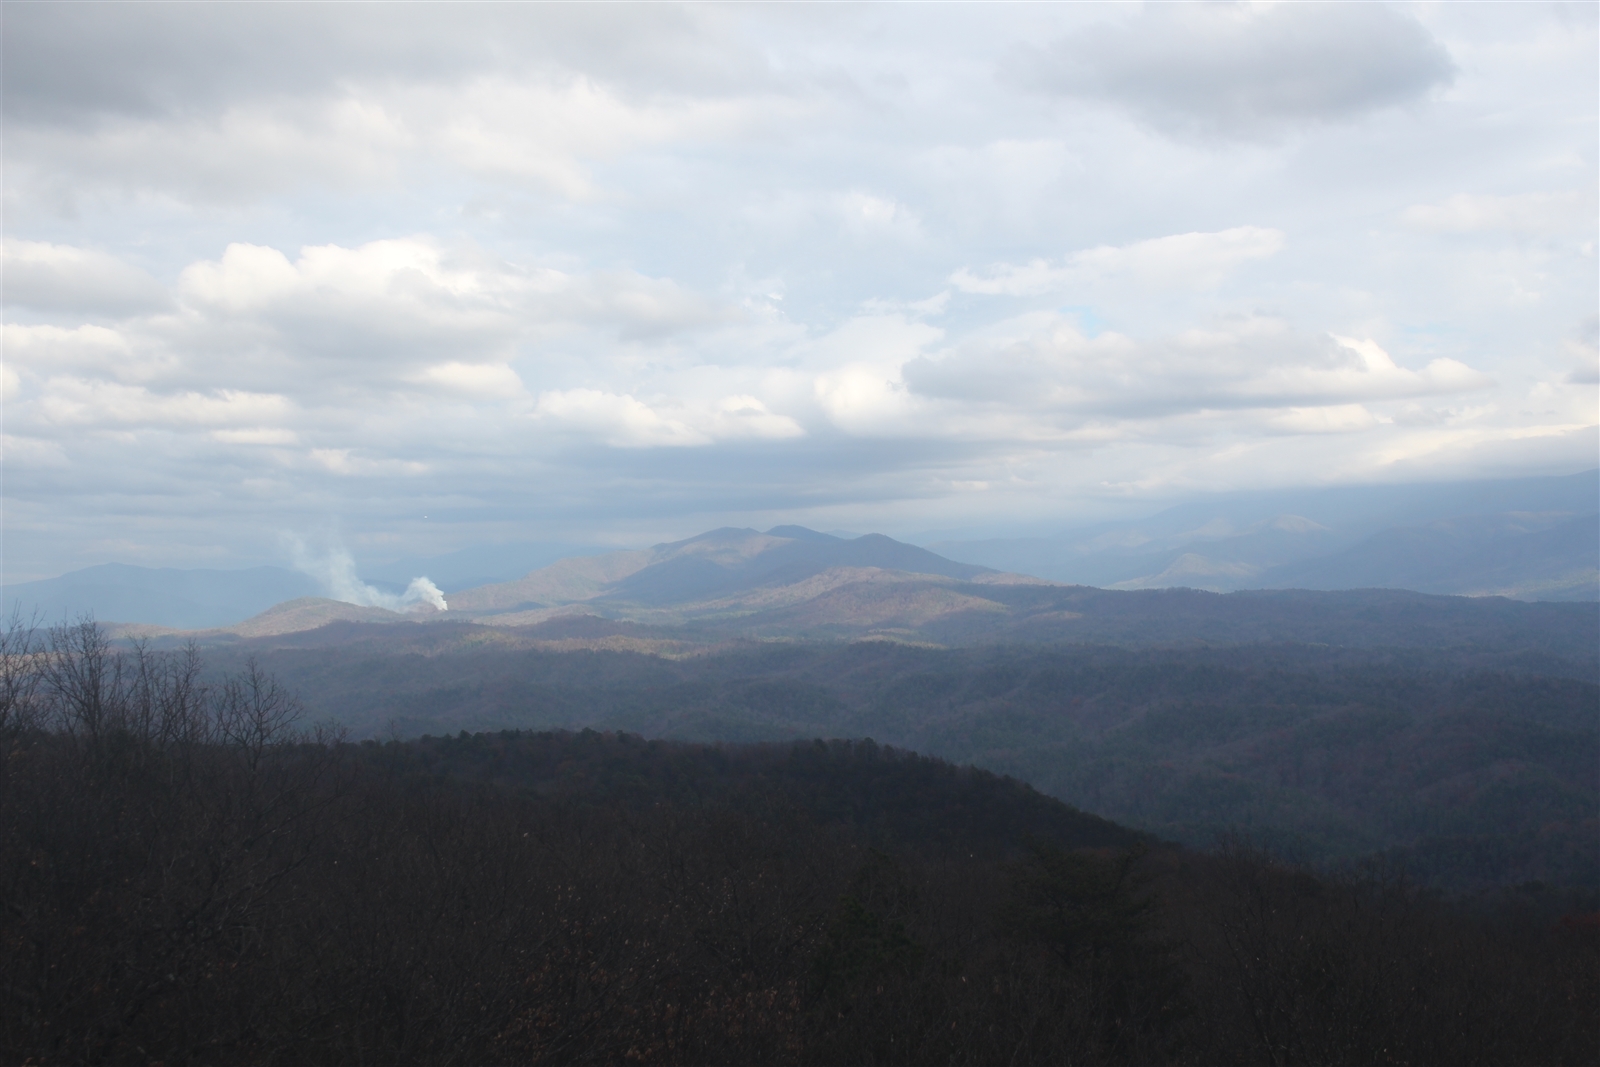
253,712
82,680
19,672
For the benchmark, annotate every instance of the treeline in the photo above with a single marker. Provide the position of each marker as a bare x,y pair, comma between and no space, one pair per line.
189,875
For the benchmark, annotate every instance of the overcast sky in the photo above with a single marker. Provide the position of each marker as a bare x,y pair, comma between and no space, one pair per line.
430,276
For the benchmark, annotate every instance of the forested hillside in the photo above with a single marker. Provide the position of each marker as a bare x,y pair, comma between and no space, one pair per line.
1478,769
188,876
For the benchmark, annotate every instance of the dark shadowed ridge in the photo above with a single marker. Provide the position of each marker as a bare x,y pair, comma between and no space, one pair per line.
896,797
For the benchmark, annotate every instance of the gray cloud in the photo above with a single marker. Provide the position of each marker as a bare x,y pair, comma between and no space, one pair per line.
47,277
76,63
1584,347
1233,70
431,275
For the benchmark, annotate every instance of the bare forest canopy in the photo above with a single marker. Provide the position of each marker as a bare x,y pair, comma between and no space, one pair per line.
1476,761
190,874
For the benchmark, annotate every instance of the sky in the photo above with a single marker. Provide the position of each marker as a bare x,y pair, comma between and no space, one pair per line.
414,277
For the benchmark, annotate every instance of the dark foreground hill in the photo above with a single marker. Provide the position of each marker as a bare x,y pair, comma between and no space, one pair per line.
187,879
891,797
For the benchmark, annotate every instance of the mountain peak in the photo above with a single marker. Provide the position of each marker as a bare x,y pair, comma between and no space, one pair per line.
710,568
801,533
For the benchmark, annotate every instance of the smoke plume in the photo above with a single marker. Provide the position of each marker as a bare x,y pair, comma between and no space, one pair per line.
336,570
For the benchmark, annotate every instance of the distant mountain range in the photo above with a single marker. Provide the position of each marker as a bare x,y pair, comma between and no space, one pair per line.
1542,542
169,597
722,573
1526,538
786,580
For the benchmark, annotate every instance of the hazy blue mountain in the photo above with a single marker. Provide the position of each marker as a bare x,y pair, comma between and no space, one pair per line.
1540,556
203,598
1529,538
716,565
186,599
1520,537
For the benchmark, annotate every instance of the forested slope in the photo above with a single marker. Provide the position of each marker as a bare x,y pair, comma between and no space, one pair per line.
187,877
1480,769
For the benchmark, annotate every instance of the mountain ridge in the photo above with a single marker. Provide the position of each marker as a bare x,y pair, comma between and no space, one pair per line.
1529,539
717,566
1336,538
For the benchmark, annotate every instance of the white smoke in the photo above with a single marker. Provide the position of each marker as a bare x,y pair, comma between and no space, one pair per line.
336,570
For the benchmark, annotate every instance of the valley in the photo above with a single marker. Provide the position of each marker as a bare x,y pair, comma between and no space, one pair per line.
1459,736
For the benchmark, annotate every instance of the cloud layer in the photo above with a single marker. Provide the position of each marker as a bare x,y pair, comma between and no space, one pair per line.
618,274
1245,70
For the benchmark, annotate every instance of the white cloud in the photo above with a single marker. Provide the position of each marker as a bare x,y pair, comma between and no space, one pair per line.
866,215
414,288
867,399
856,216
1335,418
246,278
50,350
485,380
78,402
743,416
619,420
1529,214
390,290
1007,180
1584,349
882,340
1043,364
856,374
256,436
546,133
543,130
345,463
635,306
627,422
1194,261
